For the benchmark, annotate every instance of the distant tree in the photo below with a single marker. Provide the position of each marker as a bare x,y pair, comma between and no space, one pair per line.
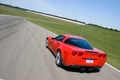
94,25
111,29
116,30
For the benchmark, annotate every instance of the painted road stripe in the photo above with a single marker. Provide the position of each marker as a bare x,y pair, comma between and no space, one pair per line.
112,67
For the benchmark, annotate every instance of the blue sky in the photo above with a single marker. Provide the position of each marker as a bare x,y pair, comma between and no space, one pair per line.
102,12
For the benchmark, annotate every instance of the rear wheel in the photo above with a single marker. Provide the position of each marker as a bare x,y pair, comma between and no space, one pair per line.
58,59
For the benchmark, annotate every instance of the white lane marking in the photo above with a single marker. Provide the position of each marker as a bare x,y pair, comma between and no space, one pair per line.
41,20
112,67
1,79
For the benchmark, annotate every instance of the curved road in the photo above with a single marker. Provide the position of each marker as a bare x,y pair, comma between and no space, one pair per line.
23,55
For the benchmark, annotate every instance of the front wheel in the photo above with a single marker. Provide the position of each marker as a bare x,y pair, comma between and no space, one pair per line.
46,43
58,59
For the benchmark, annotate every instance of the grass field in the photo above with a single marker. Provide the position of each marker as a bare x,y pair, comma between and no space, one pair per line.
106,40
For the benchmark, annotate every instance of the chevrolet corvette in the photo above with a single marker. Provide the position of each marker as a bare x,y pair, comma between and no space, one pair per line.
74,51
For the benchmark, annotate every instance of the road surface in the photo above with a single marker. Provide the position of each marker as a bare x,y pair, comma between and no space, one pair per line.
23,55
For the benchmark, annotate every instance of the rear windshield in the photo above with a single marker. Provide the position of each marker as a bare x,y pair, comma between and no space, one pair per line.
79,43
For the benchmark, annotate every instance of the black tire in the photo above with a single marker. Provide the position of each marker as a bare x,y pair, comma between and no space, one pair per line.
58,59
46,43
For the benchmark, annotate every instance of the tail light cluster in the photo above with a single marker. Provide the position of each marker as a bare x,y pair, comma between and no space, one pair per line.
77,53
102,55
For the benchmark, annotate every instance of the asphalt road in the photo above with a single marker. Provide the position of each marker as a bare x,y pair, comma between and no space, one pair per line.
23,55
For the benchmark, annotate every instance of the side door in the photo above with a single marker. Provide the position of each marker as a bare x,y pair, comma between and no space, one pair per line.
56,43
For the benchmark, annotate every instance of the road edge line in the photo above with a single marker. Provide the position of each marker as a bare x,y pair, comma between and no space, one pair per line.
112,67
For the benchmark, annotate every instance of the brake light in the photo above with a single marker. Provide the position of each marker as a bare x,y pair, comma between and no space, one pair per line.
100,55
104,55
80,53
74,53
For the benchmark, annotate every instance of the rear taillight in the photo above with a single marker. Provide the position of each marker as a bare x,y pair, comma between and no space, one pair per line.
104,55
80,53
74,53
100,55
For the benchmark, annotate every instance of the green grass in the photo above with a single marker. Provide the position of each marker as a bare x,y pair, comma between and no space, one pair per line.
106,40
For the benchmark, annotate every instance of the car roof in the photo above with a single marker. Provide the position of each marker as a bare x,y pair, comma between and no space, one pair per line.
72,36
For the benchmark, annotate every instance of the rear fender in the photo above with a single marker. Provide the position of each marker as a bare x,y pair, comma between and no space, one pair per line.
65,52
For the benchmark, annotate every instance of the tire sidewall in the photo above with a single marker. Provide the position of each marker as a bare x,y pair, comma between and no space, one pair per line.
58,55
46,43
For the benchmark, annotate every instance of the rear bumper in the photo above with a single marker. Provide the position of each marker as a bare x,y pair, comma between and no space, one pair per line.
77,61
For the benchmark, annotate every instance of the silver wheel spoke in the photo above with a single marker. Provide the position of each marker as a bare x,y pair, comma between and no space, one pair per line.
46,43
58,58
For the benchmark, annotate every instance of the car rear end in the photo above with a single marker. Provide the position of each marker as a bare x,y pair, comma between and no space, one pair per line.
87,58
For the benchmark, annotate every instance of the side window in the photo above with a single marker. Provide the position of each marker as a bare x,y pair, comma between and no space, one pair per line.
59,38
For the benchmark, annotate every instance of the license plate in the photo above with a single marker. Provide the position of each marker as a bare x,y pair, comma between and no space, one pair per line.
89,61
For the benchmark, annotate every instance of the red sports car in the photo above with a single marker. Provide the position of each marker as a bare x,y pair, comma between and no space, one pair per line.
75,51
